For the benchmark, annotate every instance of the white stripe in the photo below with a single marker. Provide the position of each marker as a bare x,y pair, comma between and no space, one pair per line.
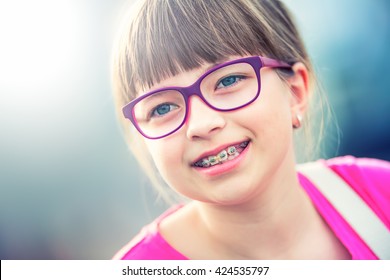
351,206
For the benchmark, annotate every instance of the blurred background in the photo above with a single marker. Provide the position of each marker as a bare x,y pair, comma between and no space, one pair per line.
69,188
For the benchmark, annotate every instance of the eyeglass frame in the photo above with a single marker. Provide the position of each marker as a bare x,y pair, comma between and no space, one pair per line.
257,62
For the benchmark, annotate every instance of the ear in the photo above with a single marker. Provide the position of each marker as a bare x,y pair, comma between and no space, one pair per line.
299,84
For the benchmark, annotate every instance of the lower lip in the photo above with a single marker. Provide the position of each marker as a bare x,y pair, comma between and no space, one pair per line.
225,167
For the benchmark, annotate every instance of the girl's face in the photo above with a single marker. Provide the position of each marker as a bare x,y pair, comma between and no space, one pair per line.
257,139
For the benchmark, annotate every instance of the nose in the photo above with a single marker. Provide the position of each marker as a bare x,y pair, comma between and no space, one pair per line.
202,121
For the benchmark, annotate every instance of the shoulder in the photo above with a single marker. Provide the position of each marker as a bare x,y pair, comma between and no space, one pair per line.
362,164
368,172
370,178
149,244
138,246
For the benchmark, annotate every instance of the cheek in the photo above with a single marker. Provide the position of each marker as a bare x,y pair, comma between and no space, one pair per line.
271,113
168,159
167,156
269,117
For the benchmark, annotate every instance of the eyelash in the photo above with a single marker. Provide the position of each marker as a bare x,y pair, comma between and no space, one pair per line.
153,114
239,77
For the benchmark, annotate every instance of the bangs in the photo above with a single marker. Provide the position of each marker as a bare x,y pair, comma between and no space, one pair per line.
168,37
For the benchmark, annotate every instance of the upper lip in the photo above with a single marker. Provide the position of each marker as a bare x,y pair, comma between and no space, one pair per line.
216,150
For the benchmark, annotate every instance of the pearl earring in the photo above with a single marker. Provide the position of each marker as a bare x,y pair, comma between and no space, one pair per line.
298,122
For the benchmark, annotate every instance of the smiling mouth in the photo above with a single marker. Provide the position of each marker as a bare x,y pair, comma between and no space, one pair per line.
223,156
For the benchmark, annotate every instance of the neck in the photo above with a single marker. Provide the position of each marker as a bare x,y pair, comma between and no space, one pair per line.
268,226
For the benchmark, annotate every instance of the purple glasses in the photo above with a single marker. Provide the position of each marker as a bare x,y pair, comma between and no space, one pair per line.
226,87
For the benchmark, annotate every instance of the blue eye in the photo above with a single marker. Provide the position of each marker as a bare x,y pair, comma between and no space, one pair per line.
163,109
229,81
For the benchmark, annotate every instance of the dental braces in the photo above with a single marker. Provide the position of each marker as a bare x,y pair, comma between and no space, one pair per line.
221,157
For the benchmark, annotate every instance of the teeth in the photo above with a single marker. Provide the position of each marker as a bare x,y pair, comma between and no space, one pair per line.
205,163
231,150
233,156
244,144
223,156
213,160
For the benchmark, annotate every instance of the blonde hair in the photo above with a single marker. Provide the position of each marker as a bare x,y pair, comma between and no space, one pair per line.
165,37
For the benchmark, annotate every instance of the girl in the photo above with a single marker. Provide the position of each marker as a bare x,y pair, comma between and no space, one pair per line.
211,93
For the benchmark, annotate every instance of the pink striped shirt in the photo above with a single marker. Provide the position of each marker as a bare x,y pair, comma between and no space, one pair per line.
370,178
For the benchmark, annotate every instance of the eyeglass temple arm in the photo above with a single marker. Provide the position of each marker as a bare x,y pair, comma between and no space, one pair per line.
269,62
